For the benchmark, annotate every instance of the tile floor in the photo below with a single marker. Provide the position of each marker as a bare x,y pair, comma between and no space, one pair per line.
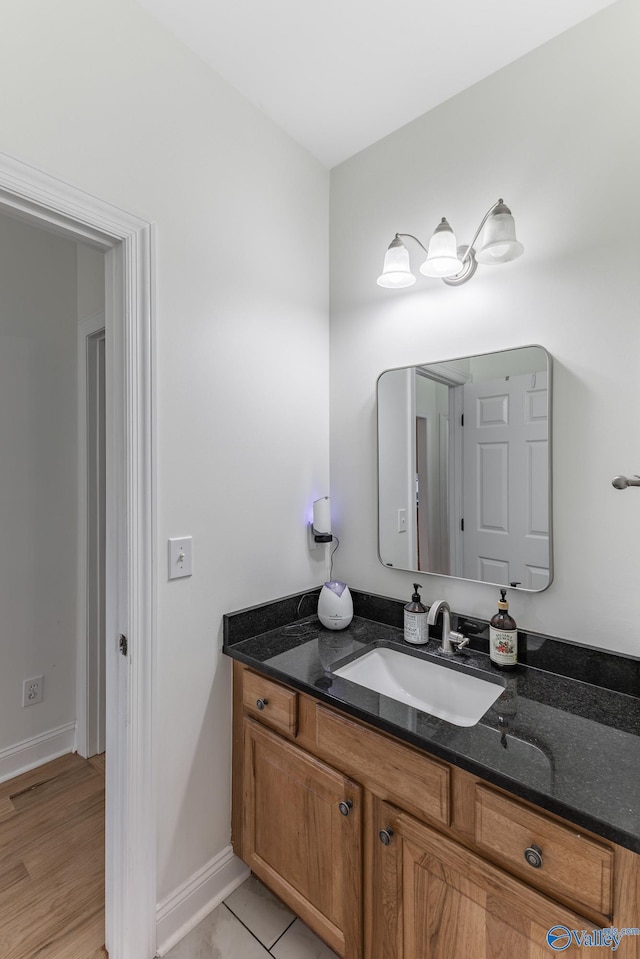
251,924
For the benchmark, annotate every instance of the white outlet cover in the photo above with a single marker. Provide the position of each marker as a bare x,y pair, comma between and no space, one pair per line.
32,690
180,557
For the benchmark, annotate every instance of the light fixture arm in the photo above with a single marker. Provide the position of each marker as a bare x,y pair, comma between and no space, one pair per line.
469,249
412,237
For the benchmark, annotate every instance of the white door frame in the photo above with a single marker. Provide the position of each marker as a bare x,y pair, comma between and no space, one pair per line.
126,240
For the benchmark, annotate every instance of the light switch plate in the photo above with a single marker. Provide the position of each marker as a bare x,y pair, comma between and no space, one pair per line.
180,557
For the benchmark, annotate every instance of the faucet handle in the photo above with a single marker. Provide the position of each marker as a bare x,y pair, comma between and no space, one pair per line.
458,640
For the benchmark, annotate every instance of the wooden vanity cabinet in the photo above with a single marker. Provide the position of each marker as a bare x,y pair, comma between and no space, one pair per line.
435,899
387,853
303,835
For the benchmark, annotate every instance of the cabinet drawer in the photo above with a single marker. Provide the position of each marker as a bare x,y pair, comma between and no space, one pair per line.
274,705
416,780
571,865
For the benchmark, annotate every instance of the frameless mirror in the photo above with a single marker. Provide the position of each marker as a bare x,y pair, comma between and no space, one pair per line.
464,478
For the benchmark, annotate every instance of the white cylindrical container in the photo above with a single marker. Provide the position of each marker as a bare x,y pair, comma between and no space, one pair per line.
335,605
322,516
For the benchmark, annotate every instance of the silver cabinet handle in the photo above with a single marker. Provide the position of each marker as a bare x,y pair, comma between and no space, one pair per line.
345,806
385,836
261,703
533,855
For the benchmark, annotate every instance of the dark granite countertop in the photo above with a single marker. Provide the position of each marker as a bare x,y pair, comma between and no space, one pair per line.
571,747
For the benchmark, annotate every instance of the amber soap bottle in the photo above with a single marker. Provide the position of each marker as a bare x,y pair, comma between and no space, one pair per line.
503,636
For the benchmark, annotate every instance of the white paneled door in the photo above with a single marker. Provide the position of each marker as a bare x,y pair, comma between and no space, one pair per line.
505,498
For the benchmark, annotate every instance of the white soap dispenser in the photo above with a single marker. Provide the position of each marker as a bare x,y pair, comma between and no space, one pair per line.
416,630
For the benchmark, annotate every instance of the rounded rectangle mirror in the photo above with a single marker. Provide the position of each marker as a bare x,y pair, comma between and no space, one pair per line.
464,468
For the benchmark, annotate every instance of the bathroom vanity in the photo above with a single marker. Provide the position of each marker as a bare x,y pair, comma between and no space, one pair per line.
398,835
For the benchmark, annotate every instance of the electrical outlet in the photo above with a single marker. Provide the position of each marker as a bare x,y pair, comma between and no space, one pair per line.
32,690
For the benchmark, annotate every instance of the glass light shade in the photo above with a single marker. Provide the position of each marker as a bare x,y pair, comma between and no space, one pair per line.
442,257
396,271
499,244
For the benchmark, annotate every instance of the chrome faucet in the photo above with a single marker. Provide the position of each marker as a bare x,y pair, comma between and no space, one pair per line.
451,642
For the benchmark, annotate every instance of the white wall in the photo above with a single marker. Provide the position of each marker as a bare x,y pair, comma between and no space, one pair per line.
553,134
90,289
38,484
107,100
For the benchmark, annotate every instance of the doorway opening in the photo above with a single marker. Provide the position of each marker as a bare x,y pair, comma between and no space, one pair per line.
125,242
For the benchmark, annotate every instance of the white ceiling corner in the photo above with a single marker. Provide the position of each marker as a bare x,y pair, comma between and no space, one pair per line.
341,74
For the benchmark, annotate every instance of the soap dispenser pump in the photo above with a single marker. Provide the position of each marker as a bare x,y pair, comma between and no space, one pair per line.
416,630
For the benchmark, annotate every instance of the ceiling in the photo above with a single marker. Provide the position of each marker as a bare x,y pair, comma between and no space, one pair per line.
341,74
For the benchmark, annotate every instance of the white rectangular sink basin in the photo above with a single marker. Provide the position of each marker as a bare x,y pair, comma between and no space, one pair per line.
448,693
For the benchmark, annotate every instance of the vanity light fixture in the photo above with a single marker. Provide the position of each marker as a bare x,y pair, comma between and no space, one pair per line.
445,259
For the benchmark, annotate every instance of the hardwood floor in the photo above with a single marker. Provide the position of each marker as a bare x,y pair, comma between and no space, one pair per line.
52,861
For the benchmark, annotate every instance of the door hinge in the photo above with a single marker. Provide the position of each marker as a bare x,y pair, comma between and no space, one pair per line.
123,644
462,419
462,526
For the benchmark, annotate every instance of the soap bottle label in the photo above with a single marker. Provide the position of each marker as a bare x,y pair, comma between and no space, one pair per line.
415,628
503,646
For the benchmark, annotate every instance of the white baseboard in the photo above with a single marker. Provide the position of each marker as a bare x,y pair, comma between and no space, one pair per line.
188,905
37,750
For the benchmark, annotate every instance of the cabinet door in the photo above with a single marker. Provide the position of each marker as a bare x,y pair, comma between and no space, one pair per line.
452,904
303,836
